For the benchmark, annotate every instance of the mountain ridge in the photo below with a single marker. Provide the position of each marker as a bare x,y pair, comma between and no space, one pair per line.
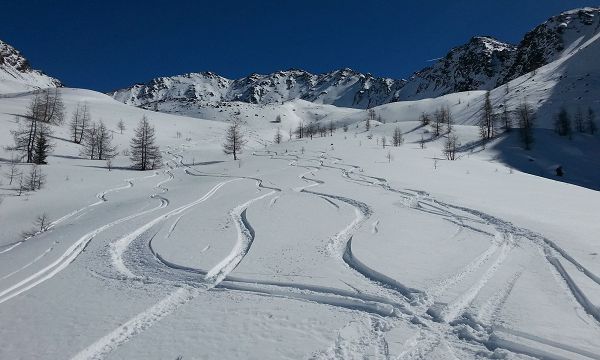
16,73
482,63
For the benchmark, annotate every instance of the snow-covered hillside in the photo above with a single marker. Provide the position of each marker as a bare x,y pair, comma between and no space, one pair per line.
331,248
485,63
335,245
17,75
344,87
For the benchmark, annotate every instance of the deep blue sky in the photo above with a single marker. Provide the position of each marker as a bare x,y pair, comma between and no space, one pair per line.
104,45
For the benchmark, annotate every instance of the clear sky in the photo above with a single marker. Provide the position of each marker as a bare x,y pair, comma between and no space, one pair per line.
105,45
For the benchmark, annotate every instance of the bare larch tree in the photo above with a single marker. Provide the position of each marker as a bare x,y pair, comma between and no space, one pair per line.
234,140
145,153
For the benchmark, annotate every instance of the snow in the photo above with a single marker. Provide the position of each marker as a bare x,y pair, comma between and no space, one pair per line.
323,248
311,248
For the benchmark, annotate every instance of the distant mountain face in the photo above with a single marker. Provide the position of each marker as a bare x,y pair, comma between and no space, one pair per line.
344,87
483,63
478,65
17,75
553,39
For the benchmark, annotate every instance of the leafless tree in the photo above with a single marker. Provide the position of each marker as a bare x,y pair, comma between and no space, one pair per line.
121,127
80,120
106,150
579,121
562,124
46,106
234,140
526,123
448,119
13,170
397,138
438,122
97,143
383,141
487,121
450,146
90,142
331,128
300,130
310,130
425,119
145,153
31,140
278,136
21,186
40,224
35,179
506,118
590,122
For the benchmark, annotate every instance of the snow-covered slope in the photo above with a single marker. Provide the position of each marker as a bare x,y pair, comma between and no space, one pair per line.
485,63
325,248
343,87
17,75
553,39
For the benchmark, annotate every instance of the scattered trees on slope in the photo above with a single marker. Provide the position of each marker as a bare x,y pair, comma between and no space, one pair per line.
450,146
80,121
97,142
31,138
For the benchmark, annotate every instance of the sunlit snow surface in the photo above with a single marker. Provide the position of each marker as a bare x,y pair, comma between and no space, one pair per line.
318,248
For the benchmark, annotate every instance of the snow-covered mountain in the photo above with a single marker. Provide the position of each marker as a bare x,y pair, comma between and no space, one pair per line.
552,40
485,63
16,74
345,87
477,65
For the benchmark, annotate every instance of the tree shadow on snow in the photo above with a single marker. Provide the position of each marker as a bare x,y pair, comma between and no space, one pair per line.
578,157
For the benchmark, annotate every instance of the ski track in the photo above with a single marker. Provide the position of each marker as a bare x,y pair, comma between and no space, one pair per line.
244,242
437,290
172,302
460,304
339,246
101,199
122,334
508,230
119,246
65,259
27,265
489,311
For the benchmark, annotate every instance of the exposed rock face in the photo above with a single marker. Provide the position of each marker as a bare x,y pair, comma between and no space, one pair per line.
17,75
